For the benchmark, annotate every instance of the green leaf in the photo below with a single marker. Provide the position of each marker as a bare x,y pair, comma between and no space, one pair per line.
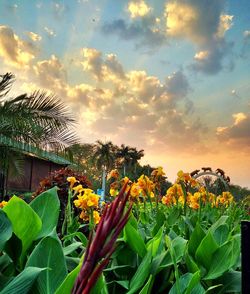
100,286
48,253
141,274
78,235
13,248
160,219
191,265
68,283
26,224
189,284
178,246
5,229
71,248
47,206
231,282
154,243
195,239
224,258
23,282
221,234
146,289
205,250
134,240
221,221
193,282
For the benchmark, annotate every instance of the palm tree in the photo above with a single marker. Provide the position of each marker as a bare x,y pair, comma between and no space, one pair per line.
124,154
104,158
39,119
135,157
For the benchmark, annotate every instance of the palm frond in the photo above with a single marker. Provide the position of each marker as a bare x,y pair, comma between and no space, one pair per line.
5,84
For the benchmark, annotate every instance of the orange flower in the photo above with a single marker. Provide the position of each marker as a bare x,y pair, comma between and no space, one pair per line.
3,203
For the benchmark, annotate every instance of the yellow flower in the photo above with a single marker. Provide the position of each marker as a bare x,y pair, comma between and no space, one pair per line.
93,200
158,172
113,192
84,215
3,203
113,174
135,191
96,217
78,189
72,181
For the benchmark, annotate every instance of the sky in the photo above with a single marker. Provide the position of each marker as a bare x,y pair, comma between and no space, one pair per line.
171,77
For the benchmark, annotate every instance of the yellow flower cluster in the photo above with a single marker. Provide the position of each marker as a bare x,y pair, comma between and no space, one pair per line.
175,196
225,199
186,178
3,203
87,201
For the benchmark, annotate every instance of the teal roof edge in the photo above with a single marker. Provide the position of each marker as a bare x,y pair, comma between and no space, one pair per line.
26,148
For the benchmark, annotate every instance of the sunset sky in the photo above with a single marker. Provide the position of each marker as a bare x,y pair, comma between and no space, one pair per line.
171,77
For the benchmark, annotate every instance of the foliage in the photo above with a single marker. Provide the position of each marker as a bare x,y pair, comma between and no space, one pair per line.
59,178
174,247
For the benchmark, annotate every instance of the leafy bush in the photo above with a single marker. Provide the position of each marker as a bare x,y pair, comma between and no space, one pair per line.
59,178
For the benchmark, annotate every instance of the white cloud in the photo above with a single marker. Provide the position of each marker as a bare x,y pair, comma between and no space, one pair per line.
138,8
15,51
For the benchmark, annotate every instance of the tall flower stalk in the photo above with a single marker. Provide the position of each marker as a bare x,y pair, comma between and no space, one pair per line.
102,244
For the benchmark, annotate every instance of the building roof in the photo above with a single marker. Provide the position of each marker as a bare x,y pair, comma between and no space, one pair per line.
32,151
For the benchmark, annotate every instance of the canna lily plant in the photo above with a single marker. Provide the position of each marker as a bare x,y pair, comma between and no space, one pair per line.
102,243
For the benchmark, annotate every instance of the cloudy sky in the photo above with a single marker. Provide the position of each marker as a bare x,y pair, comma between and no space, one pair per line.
171,77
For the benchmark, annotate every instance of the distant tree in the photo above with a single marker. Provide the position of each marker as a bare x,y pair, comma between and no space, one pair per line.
124,155
136,155
104,157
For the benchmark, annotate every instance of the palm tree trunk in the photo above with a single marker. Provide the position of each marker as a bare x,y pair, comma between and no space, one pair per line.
104,181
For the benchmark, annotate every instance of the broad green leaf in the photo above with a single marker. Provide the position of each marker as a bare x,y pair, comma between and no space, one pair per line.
221,221
47,206
205,250
231,282
191,265
193,282
221,234
5,229
49,254
141,274
146,289
154,243
195,239
100,286
189,284
134,240
13,248
78,235
124,284
71,248
160,219
178,246
133,221
68,283
224,258
23,282
26,224
173,216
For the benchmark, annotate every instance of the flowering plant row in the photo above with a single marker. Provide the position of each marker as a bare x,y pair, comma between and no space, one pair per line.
186,241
